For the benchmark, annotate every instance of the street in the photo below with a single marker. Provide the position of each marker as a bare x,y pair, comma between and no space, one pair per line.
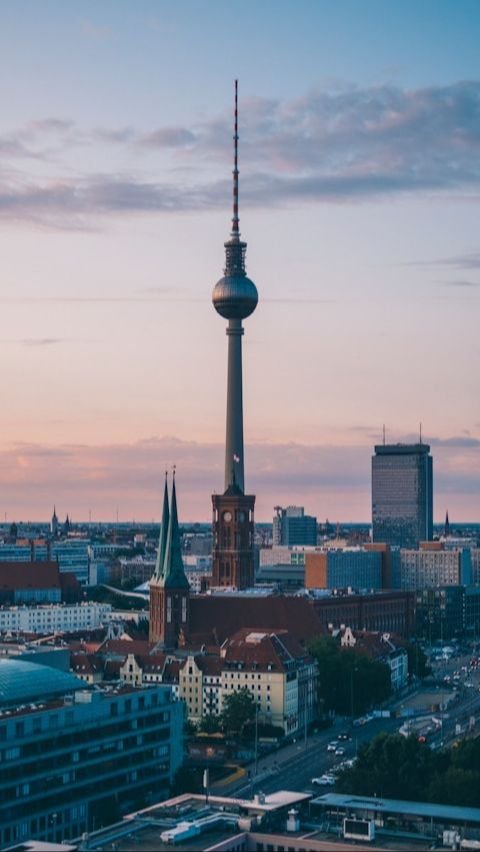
294,767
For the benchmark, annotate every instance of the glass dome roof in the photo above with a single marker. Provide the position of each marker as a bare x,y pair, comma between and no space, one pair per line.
22,681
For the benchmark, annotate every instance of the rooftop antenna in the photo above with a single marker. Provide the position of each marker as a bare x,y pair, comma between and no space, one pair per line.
384,434
420,433
235,220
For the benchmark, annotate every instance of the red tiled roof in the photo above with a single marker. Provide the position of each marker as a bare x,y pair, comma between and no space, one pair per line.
85,663
152,663
261,652
122,647
218,617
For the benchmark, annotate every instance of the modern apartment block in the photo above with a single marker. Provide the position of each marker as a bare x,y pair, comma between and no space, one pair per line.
291,526
402,494
73,758
351,567
430,568
54,618
70,554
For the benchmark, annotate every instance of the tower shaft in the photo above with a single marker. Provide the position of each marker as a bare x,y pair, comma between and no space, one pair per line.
234,467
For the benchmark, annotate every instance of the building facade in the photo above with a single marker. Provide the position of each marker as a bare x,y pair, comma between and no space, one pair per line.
402,494
351,567
387,611
291,526
54,618
70,755
430,568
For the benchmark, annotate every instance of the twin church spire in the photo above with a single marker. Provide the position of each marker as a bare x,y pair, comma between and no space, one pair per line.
169,570
169,587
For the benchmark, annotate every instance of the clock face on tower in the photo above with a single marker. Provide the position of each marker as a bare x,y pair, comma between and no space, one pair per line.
227,517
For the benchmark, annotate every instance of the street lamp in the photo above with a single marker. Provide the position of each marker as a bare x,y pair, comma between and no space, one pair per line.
256,738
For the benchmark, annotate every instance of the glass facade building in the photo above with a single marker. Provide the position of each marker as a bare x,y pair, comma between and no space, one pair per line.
291,526
402,494
73,758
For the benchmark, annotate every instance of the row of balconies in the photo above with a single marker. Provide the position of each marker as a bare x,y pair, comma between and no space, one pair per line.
84,778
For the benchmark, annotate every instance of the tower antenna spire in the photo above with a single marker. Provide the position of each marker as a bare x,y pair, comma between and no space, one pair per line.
235,219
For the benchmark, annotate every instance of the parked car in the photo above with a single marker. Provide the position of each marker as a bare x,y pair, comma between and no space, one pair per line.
339,751
332,746
324,780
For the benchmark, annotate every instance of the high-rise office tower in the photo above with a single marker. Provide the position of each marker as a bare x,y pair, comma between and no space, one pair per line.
234,297
291,526
402,494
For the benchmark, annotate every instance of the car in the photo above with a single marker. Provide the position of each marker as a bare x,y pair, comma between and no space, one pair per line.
324,780
339,751
332,746
344,735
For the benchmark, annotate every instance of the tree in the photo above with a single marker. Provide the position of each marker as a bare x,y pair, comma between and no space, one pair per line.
392,766
402,768
211,724
349,682
238,709
187,780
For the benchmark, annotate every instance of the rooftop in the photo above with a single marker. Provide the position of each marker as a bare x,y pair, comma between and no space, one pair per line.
22,681
449,813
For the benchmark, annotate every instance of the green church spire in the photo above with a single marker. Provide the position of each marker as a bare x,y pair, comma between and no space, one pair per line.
174,576
162,541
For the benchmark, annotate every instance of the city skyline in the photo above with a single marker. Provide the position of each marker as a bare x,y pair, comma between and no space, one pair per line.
359,164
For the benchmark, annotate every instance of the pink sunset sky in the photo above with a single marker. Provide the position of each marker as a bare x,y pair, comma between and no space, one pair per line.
359,161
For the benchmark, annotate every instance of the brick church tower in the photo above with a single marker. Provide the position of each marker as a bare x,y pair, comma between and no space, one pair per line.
169,587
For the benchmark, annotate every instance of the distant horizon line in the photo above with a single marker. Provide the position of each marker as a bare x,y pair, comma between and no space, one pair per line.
153,522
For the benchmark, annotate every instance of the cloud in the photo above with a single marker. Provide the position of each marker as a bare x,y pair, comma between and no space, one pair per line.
337,144
456,441
33,341
461,283
461,261
41,341
168,137
330,481
50,125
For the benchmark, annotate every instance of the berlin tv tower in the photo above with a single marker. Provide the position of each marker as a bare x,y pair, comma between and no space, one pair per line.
235,297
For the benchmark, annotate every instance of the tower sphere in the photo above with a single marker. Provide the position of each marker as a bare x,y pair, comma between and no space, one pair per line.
235,297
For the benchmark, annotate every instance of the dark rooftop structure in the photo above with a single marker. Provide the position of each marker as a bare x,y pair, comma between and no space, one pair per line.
22,681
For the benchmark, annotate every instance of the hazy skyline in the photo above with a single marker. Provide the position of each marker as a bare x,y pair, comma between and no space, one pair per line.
359,190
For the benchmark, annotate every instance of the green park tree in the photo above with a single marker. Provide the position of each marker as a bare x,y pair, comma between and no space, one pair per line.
400,767
238,710
349,683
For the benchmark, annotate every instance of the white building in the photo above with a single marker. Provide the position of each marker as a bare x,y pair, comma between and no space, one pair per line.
53,618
